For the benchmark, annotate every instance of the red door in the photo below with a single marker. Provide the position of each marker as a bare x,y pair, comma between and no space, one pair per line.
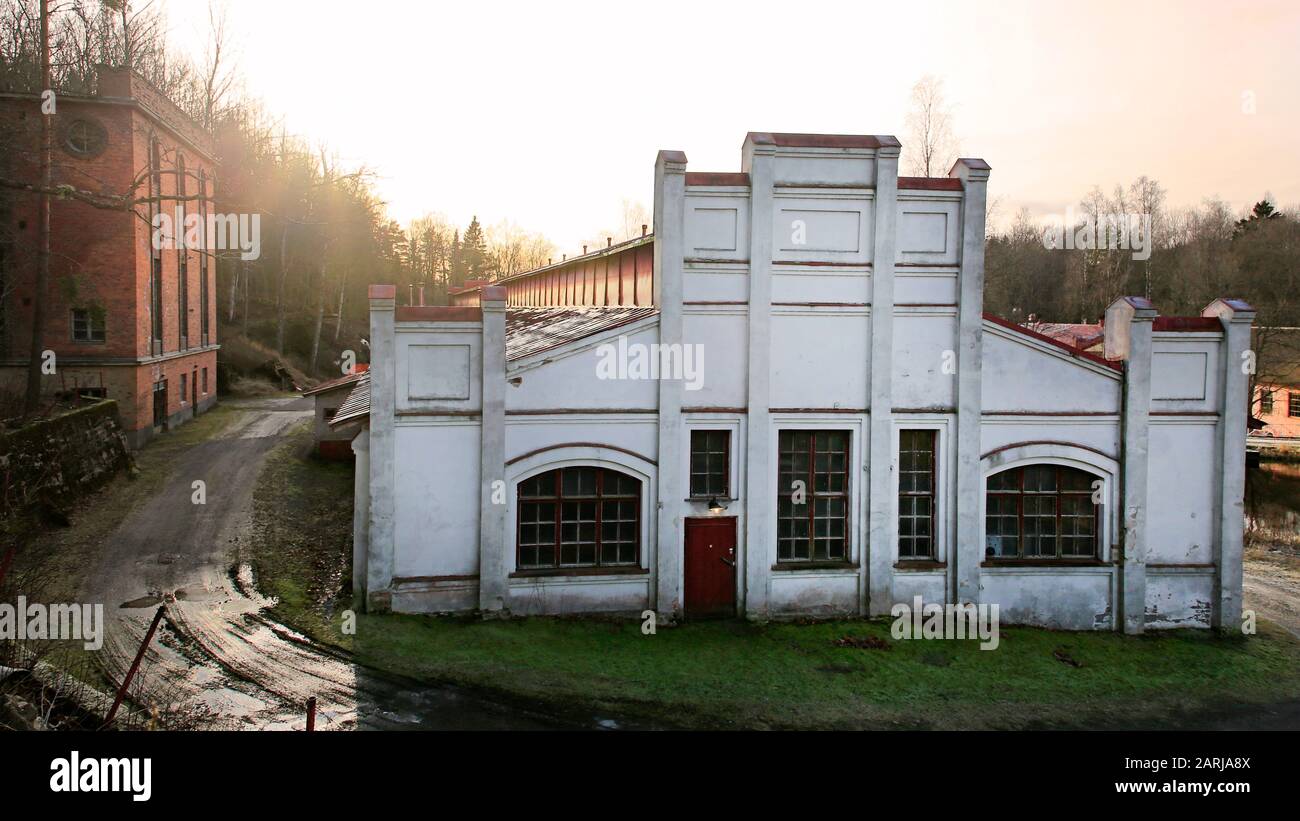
711,567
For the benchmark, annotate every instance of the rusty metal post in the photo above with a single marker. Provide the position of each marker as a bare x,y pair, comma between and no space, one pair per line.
135,665
311,714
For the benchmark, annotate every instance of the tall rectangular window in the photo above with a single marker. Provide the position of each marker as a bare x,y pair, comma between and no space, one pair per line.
203,258
916,481
710,463
1293,403
155,259
184,386
1265,402
182,261
812,507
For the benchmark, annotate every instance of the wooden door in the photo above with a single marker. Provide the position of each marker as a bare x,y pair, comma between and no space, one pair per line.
711,567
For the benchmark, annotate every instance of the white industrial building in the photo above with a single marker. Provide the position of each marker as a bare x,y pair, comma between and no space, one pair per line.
836,426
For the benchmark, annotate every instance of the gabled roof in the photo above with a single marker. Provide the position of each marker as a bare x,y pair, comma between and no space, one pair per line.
1068,348
342,381
357,405
528,331
534,330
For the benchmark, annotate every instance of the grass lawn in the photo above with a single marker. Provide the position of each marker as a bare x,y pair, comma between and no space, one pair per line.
737,674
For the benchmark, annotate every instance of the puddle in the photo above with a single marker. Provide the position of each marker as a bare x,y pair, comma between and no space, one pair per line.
143,601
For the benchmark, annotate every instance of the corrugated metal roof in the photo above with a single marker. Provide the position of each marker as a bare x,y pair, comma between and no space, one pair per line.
534,330
528,331
357,405
331,384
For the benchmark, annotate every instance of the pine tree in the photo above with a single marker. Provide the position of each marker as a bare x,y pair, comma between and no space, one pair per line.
474,251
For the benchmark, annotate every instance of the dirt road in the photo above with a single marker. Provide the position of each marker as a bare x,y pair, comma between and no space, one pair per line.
1271,587
220,661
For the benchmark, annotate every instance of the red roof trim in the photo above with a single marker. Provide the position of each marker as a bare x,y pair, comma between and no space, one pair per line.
438,313
930,183
716,178
1187,323
1070,349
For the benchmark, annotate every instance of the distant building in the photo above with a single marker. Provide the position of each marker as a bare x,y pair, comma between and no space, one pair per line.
334,443
788,402
126,320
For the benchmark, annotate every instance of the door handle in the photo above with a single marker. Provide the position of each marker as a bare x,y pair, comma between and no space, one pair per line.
727,562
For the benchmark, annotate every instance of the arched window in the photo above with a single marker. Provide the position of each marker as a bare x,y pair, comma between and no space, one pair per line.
578,517
1041,512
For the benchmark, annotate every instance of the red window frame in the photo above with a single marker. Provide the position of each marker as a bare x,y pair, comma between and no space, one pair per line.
1020,495
558,498
931,494
786,494
702,436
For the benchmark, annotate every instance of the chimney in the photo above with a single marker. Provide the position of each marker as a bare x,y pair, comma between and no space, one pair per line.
421,294
643,228
113,82
609,242
410,293
584,250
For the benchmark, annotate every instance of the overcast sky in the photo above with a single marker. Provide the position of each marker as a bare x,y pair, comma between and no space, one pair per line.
550,114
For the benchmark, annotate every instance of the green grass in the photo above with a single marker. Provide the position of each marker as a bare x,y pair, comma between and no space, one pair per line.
793,675
302,533
737,674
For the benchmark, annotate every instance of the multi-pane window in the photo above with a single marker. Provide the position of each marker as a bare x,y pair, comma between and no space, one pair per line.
1265,402
87,325
1293,403
203,259
184,385
812,507
578,517
182,258
916,478
205,380
710,463
1041,512
155,258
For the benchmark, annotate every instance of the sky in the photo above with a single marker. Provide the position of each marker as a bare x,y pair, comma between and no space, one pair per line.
551,114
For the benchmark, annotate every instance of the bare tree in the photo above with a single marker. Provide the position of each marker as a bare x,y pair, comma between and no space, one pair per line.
931,147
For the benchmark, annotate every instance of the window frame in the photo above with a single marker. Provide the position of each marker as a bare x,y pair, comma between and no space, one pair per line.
558,499
1098,527
90,327
725,493
811,501
932,494
1265,401
1293,403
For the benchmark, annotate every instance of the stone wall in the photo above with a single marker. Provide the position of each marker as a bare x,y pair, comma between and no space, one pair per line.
52,462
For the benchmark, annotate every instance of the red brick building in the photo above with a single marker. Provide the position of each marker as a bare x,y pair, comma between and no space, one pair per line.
125,319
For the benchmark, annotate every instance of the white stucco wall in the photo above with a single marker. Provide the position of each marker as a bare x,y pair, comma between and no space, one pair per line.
782,282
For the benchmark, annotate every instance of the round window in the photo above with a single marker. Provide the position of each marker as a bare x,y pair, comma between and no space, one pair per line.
85,138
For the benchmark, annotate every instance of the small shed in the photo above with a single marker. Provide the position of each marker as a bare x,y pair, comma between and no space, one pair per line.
334,443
